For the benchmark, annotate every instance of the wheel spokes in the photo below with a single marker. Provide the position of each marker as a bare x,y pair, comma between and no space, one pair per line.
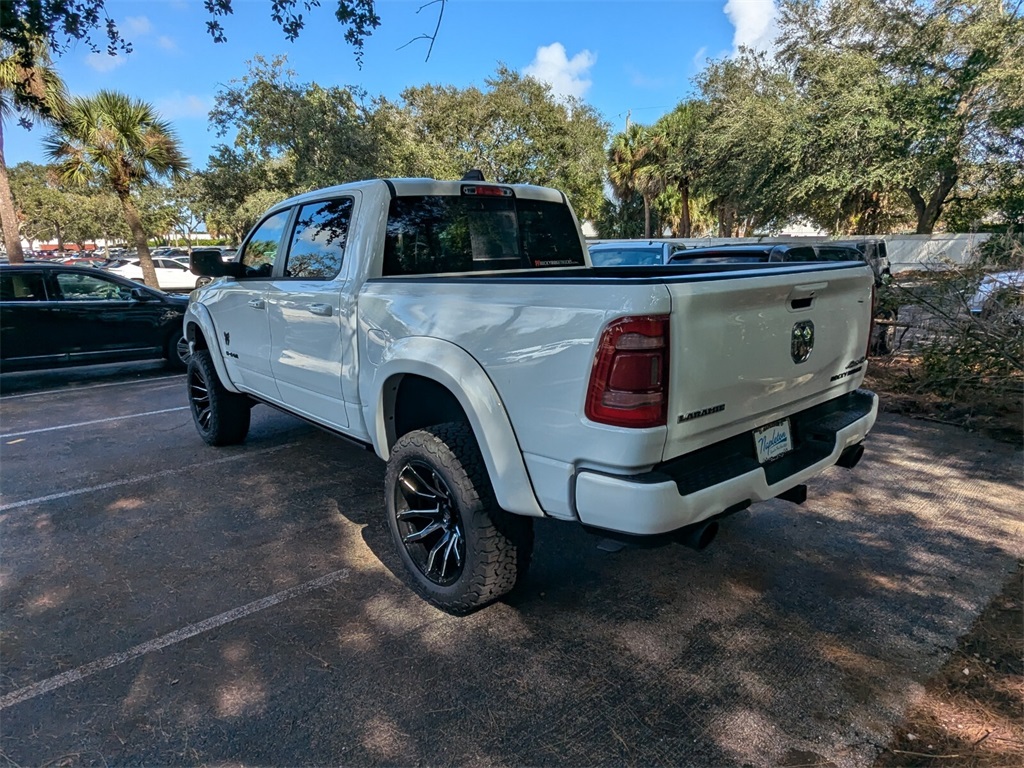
429,523
200,395
433,553
426,531
413,482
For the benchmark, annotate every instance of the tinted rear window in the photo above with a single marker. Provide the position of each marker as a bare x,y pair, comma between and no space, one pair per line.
444,233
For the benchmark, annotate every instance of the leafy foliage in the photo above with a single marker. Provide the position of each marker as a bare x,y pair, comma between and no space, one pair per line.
117,143
516,132
62,23
31,89
964,354
915,97
748,150
289,137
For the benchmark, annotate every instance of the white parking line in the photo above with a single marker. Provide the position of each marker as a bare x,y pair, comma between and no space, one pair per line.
94,421
68,390
108,662
142,478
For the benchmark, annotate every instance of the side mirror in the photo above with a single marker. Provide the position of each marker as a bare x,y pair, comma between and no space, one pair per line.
140,294
206,262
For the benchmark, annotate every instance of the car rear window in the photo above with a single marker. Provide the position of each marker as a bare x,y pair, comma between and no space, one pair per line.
445,233
622,257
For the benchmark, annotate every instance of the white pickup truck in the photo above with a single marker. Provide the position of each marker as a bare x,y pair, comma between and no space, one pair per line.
459,330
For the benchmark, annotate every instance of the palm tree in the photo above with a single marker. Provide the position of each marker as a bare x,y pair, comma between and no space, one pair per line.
120,143
680,130
633,167
30,88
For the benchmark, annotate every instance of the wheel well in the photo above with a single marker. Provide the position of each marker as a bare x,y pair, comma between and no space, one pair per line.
414,402
195,335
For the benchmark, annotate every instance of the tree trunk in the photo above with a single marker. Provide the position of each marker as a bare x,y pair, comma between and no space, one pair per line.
8,215
928,212
131,216
687,224
727,220
647,218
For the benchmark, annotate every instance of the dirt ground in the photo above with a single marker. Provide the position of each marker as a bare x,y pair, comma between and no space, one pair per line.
999,415
971,712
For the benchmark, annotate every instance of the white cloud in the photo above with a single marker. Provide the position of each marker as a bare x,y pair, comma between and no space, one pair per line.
567,77
182,106
135,26
700,57
167,43
104,62
755,23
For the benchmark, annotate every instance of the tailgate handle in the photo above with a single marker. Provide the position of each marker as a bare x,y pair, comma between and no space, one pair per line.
802,296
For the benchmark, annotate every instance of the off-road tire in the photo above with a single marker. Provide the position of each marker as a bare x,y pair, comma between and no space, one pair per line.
176,351
221,417
498,545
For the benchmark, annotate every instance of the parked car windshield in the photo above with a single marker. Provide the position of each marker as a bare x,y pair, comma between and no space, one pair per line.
444,233
622,257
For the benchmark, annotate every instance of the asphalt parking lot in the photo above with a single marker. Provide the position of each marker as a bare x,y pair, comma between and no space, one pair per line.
168,603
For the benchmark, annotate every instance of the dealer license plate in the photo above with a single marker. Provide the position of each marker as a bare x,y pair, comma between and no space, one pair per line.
773,441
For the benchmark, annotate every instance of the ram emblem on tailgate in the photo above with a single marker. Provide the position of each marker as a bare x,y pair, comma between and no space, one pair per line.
803,341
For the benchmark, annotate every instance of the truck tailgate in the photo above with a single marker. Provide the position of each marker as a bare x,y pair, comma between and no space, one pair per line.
747,352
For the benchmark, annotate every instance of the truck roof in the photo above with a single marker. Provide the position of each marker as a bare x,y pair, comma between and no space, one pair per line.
420,187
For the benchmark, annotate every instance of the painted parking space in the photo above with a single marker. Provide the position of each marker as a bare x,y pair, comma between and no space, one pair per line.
801,630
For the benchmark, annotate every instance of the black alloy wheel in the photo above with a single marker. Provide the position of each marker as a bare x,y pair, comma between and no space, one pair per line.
199,398
460,550
221,417
182,350
429,523
177,352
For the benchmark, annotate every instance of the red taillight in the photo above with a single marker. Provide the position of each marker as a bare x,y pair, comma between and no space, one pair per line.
629,380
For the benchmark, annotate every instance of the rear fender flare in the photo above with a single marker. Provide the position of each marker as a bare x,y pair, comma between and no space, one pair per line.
455,369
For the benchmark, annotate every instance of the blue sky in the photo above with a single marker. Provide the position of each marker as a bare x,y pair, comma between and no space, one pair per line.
621,56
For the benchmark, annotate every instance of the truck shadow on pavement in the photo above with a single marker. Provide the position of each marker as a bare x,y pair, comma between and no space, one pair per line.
799,637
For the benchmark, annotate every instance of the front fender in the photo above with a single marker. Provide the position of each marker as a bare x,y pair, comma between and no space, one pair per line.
455,369
198,316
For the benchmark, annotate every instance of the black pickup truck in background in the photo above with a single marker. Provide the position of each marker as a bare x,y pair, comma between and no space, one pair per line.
872,252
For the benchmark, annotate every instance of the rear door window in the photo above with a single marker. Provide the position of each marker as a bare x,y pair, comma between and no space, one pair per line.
317,247
22,286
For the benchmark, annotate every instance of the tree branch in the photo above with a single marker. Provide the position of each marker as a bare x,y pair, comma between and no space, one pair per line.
432,38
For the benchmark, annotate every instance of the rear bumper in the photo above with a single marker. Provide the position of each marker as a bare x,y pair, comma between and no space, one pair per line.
707,482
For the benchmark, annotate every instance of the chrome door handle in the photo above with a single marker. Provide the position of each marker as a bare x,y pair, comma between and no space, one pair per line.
257,303
324,310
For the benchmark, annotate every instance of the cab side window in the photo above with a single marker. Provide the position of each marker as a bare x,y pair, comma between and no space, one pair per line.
261,249
318,243
79,287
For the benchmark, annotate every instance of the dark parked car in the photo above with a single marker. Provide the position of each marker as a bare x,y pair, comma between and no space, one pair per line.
871,252
635,253
54,315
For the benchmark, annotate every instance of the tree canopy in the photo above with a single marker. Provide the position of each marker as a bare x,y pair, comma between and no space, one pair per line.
120,144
